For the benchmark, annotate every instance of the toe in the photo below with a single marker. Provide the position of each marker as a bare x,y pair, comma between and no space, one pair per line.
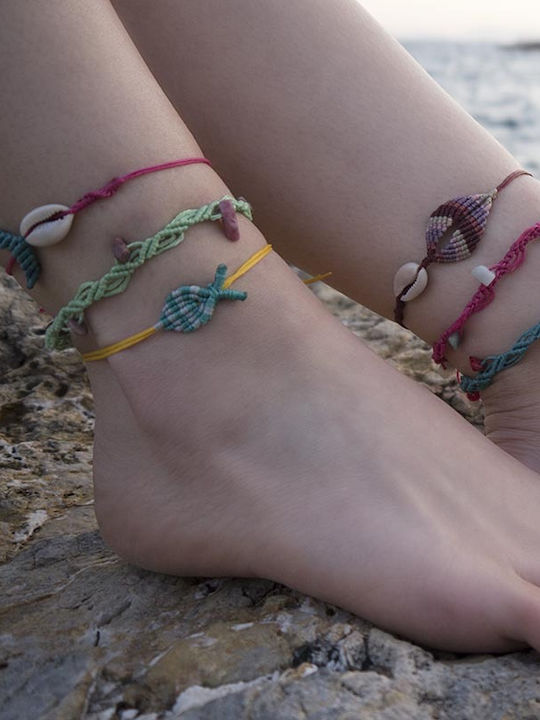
523,621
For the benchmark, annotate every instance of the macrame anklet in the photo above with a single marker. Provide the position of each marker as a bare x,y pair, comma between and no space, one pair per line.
118,278
489,277
494,364
453,231
49,224
188,308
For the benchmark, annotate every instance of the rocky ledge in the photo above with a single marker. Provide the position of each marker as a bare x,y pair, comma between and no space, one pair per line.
86,635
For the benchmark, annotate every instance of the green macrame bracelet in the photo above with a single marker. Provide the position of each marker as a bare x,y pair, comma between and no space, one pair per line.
117,279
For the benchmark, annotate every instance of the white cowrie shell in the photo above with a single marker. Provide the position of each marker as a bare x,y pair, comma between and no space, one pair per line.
48,233
483,274
404,276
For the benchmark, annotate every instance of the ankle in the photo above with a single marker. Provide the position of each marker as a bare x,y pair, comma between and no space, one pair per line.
196,252
144,290
513,310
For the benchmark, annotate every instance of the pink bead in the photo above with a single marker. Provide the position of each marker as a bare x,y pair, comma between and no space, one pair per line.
230,221
78,328
120,249
10,265
476,363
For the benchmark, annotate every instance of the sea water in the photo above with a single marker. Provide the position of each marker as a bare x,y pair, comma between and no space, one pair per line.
498,85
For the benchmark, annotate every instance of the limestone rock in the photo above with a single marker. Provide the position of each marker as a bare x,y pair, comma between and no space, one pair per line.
85,635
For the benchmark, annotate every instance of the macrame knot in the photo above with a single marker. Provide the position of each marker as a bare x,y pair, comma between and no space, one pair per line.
189,307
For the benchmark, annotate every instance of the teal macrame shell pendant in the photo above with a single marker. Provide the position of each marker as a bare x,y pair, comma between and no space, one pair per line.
190,307
464,219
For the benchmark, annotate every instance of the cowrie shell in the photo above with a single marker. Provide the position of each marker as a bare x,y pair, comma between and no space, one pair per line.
48,233
483,274
404,276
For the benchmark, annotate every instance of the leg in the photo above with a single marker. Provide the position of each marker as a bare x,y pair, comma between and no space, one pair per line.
251,447
346,146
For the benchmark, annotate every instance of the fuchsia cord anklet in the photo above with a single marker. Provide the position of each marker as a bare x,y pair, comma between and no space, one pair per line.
486,292
49,217
111,188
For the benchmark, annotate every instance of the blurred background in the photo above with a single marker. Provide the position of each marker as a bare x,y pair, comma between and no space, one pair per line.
485,54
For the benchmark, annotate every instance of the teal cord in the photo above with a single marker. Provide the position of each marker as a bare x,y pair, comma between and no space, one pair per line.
494,364
23,253
190,307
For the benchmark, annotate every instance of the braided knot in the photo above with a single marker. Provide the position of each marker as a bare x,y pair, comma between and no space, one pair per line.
190,307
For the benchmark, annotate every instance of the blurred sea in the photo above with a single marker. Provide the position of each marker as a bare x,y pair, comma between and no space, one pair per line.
499,87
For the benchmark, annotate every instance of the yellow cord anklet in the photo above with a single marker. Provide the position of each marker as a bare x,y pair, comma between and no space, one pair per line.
189,307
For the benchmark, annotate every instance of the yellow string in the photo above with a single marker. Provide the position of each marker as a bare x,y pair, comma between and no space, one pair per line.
316,278
120,345
250,262
128,342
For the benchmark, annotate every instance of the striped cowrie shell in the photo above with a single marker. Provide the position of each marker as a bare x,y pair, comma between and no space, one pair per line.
404,276
48,233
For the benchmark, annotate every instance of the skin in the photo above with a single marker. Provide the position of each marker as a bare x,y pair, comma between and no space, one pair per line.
272,443
345,145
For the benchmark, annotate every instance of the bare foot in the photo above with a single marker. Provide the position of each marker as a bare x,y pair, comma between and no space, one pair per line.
272,443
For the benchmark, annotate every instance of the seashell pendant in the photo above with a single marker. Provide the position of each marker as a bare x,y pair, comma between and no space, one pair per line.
405,276
48,233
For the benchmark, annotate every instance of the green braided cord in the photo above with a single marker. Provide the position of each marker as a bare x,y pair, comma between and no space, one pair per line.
119,276
189,307
494,364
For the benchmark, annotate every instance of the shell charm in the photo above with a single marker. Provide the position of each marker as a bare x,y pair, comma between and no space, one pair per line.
405,276
189,307
453,231
48,233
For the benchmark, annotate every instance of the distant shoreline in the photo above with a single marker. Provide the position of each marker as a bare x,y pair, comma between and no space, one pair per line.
522,46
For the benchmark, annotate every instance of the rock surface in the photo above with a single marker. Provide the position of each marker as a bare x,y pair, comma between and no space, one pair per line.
85,635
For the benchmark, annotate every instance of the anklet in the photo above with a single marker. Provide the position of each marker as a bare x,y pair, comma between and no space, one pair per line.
494,364
187,308
54,220
190,314
23,253
464,220
489,277
62,216
118,278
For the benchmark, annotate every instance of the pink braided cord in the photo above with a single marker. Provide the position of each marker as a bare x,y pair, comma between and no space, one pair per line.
485,294
111,187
